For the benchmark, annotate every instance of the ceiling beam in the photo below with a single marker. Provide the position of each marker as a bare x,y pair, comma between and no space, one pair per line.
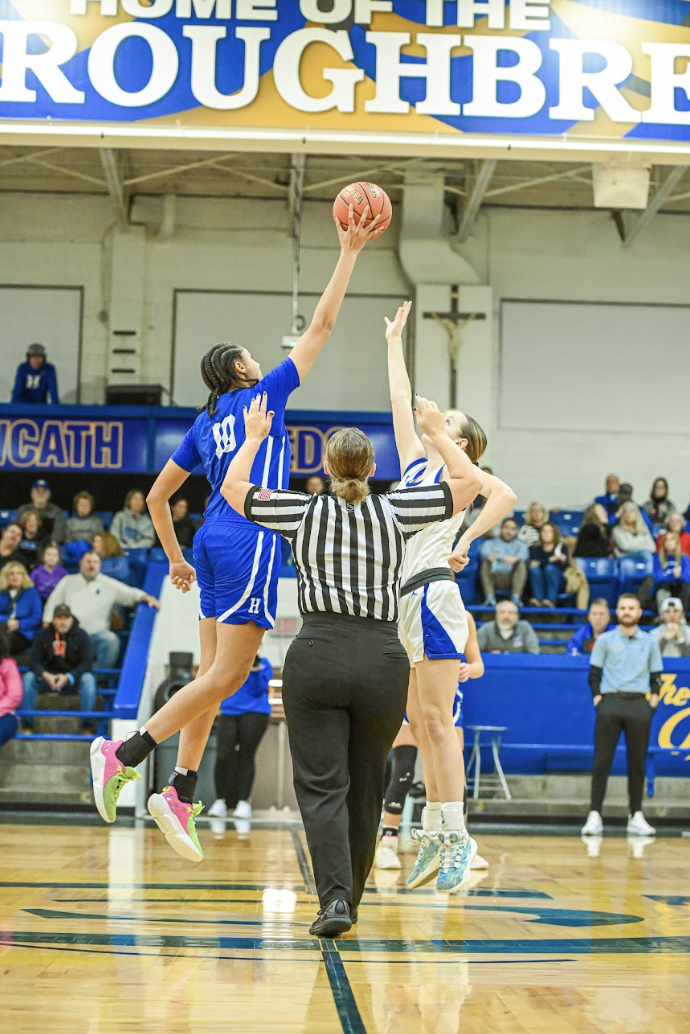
110,161
474,201
662,194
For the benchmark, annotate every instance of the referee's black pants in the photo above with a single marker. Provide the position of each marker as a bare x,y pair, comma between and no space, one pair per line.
344,690
630,713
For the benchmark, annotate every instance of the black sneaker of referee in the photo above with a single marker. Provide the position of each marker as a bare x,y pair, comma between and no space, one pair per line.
332,920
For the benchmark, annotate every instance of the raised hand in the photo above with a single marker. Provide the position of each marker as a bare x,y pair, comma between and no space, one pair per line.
429,417
257,422
394,328
357,234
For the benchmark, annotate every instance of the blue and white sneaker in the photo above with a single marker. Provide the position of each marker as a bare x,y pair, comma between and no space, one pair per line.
428,858
456,853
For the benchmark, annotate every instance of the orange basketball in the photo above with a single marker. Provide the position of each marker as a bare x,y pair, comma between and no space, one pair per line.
359,195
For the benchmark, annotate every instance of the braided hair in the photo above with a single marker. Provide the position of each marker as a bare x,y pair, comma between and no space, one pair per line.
219,374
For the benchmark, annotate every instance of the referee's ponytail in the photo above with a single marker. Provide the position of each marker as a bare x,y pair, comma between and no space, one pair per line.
349,459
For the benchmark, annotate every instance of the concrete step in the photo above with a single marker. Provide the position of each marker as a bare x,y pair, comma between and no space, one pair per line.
46,798
58,777
45,752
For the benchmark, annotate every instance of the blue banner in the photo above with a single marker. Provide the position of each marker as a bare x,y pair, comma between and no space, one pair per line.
141,439
590,70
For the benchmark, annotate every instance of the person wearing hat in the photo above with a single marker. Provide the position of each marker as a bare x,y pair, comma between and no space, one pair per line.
35,379
52,517
61,661
673,634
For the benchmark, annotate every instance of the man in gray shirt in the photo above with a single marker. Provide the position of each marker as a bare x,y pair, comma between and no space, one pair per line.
625,665
507,634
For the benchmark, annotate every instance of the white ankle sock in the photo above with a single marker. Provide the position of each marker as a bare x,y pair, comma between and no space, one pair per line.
453,818
432,816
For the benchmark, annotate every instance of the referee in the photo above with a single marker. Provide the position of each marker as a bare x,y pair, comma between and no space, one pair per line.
625,665
346,674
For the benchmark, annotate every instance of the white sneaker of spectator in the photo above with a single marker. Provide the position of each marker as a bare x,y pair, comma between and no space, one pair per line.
218,810
594,826
243,810
639,827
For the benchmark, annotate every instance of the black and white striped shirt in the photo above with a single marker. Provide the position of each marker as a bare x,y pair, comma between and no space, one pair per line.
348,556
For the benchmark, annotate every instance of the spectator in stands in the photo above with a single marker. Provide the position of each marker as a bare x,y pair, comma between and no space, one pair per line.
594,537
184,526
49,572
10,690
507,633
504,564
598,621
631,536
659,506
34,539
83,525
547,563
315,485
10,541
673,634
114,563
52,517
20,607
676,522
61,659
625,495
671,572
35,379
132,526
91,596
535,518
244,718
609,500
625,665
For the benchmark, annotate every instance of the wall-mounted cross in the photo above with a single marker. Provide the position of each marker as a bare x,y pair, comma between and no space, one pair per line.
453,323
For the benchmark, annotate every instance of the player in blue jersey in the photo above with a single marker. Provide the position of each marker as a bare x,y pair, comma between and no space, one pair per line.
236,562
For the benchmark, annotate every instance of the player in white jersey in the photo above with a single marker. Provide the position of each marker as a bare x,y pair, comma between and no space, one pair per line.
433,623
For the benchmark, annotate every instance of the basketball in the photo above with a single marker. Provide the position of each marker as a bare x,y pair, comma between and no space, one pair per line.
359,195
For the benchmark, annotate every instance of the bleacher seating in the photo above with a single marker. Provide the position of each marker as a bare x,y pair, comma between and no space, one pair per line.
632,571
568,522
602,575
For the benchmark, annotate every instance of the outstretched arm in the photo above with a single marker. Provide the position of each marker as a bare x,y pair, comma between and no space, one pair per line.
257,426
352,240
500,499
406,440
463,475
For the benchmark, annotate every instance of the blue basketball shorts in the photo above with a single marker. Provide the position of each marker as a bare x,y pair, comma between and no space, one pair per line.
237,569
433,622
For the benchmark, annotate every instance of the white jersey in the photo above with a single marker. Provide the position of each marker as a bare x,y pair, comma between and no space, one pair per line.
432,546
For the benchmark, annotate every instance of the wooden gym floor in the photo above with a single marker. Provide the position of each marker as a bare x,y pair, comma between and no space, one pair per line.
103,930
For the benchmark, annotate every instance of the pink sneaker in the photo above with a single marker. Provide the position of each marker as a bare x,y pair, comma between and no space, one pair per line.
176,819
109,776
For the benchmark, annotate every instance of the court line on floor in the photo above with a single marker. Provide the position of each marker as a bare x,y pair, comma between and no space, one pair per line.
341,989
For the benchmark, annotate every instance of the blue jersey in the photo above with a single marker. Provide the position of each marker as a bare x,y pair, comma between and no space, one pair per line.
34,386
213,441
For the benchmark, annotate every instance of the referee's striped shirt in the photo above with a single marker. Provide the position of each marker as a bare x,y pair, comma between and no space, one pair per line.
348,555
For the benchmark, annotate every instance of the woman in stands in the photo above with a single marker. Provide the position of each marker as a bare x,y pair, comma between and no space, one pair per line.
433,622
671,572
631,537
548,561
237,563
21,608
405,758
132,526
535,518
676,522
594,537
659,506
114,563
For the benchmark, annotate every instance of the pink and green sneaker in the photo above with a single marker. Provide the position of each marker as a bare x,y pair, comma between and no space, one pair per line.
175,818
109,776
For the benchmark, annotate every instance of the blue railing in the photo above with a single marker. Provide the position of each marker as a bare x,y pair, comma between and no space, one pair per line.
126,703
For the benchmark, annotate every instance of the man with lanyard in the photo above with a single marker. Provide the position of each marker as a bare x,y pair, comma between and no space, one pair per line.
625,665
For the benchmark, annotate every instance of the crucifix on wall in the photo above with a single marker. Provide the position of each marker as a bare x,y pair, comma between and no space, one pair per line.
454,322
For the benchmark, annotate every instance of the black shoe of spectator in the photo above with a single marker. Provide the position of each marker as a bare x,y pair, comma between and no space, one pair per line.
332,920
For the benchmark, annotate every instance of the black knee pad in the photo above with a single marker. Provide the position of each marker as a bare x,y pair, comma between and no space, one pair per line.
404,761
